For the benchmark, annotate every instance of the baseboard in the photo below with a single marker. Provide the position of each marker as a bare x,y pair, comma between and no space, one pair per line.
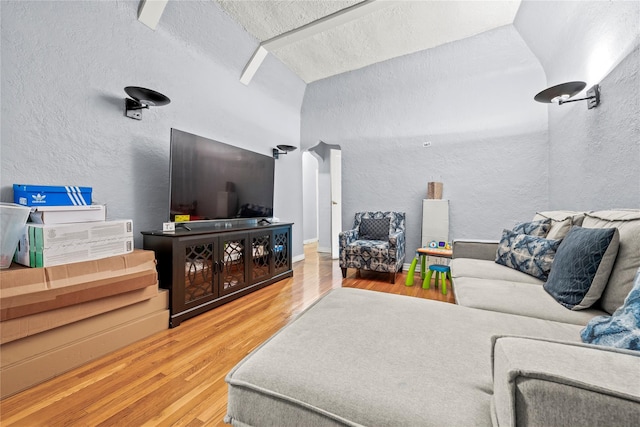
306,242
430,260
297,258
324,250
406,266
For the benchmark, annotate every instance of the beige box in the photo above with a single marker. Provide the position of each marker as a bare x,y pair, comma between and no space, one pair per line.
49,257
68,214
434,190
37,358
28,291
53,235
46,245
22,327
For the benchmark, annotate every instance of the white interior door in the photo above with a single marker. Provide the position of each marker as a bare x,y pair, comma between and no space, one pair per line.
336,200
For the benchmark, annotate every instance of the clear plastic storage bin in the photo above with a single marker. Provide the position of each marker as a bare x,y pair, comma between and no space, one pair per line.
12,221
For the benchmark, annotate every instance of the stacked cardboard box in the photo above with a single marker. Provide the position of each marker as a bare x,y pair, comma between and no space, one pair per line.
67,214
56,318
46,245
24,292
51,195
89,292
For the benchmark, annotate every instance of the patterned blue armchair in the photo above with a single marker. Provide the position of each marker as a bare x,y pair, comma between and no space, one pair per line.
375,243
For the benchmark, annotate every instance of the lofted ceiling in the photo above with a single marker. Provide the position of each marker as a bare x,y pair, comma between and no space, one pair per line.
317,39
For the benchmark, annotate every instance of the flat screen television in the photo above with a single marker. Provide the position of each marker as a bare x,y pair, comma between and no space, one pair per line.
212,180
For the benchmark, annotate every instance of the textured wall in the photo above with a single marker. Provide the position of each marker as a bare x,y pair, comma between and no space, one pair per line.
64,67
594,154
579,40
472,100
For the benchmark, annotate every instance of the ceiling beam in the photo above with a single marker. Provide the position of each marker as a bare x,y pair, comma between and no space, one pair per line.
325,23
150,12
253,65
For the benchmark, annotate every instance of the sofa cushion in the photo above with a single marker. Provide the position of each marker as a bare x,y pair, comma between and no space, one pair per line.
374,229
538,228
560,215
561,222
622,329
350,359
582,266
628,260
529,254
485,269
517,298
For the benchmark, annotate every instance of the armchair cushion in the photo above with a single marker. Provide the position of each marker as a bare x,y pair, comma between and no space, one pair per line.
374,229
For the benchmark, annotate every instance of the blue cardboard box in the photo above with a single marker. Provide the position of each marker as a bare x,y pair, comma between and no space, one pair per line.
47,195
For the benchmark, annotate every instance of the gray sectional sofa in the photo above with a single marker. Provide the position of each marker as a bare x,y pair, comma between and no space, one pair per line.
507,354
479,282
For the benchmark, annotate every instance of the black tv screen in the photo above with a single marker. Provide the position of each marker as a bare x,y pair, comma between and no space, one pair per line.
213,180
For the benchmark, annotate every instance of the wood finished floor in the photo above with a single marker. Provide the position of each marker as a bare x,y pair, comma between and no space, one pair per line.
176,377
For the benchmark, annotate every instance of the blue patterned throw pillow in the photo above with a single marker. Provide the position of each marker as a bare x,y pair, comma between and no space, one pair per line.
539,228
528,254
620,330
582,266
374,229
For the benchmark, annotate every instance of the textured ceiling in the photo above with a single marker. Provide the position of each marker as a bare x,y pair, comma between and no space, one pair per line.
395,29
265,19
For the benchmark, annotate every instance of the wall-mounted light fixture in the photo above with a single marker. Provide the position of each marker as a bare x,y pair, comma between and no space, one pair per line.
562,93
285,149
142,98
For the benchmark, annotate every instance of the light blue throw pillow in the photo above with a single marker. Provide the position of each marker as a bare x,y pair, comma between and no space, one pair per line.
620,330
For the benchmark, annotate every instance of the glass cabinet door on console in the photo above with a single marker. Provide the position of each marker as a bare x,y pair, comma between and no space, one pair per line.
199,271
213,267
233,265
270,253
281,248
261,265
